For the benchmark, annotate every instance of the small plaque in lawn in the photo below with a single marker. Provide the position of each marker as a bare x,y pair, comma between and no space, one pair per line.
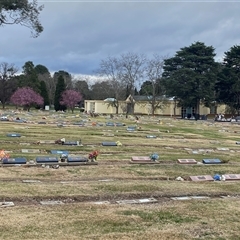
110,124
138,201
17,160
30,151
77,159
212,161
71,143
181,198
59,152
6,204
151,136
31,181
51,202
141,159
43,159
109,144
187,161
13,135
101,202
229,177
131,128
223,149
202,178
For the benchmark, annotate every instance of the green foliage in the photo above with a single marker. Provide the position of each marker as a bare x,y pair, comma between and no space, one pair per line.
228,85
21,12
44,93
29,77
60,88
191,74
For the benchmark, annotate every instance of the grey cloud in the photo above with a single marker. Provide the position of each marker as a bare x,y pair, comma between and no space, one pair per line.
77,35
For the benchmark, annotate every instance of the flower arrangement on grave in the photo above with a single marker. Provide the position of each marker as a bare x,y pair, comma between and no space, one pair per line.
154,156
118,143
93,155
3,154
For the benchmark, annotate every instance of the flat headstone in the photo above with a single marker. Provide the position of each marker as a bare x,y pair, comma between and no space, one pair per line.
131,128
151,136
187,161
13,135
232,177
42,123
199,197
77,159
109,144
47,141
101,202
110,124
105,180
141,159
30,151
17,160
127,202
59,152
119,124
31,181
147,200
181,198
50,202
137,201
202,178
71,143
238,143
223,149
212,161
6,204
43,159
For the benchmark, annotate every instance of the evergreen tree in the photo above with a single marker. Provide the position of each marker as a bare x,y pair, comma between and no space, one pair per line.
44,93
60,88
190,75
228,85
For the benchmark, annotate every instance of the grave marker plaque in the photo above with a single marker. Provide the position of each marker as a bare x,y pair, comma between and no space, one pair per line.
141,159
59,152
202,178
233,177
109,144
17,160
187,161
212,161
43,159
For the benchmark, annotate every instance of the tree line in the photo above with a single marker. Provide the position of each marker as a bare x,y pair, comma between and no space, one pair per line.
191,77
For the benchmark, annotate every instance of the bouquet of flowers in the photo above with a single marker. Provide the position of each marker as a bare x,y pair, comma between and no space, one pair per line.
3,154
154,157
93,155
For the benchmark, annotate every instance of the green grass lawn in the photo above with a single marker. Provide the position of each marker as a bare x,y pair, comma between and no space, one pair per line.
115,179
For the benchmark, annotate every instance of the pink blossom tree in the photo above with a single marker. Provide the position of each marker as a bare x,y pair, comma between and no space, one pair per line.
26,97
70,98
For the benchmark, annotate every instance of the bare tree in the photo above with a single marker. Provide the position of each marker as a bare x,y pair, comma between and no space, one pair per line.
131,73
156,95
7,81
111,70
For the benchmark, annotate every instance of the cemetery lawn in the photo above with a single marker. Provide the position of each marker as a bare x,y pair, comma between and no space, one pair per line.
87,201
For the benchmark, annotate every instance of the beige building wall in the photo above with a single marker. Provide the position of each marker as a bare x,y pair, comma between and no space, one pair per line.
101,107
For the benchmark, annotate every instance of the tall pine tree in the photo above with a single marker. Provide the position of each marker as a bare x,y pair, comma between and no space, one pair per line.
60,88
44,93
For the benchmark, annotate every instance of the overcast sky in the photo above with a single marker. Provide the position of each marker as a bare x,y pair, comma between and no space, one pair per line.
79,34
